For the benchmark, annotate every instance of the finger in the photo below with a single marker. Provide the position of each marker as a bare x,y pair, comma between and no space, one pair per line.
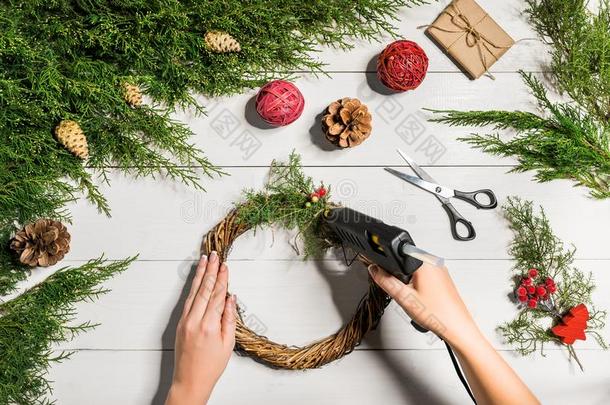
199,272
390,284
200,302
229,321
216,305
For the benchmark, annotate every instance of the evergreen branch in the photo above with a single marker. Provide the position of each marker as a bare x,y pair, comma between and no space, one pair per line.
580,50
534,245
38,319
566,143
284,202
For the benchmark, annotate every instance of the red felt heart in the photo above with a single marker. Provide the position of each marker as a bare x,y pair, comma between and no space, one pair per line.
573,325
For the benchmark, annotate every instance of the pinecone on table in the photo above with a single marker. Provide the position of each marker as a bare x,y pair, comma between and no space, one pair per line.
132,95
42,243
221,42
72,137
347,122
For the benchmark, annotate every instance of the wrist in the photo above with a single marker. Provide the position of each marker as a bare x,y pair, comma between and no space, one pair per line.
185,394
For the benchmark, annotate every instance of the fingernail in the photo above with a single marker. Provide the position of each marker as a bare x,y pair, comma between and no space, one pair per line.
204,257
213,256
372,269
234,299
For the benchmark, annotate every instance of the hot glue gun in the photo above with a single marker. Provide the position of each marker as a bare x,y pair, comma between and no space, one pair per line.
390,247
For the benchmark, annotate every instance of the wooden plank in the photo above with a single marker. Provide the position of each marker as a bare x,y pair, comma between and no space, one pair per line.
528,55
166,221
362,378
232,134
278,301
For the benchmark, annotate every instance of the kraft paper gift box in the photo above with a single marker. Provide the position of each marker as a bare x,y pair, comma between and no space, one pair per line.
470,37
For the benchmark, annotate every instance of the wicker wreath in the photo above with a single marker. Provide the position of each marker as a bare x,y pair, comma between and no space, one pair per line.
367,315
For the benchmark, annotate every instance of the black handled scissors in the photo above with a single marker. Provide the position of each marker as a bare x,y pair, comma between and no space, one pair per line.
426,182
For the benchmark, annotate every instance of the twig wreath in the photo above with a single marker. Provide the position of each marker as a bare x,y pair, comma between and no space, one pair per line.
290,201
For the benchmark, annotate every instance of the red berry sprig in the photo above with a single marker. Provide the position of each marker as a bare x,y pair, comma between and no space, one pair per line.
318,193
533,289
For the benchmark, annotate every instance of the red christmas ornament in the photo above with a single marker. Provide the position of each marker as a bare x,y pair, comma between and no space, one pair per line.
527,281
402,65
521,291
321,191
533,272
532,303
531,289
573,325
279,103
522,298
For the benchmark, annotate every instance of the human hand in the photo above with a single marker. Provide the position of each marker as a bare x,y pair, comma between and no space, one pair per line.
205,335
432,301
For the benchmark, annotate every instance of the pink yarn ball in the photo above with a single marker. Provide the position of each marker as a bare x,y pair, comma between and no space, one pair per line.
279,103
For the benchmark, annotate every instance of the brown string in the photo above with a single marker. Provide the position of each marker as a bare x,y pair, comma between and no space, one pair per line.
366,317
473,36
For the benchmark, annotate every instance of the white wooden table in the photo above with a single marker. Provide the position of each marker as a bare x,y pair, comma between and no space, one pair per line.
128,359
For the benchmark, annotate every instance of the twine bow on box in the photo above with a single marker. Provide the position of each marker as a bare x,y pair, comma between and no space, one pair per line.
472,36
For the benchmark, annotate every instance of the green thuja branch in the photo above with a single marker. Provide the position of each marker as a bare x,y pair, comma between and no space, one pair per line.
67,59
284,202
32,323
534,245
580,49
564,143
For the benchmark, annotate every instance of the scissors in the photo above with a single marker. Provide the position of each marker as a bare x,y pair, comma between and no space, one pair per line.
426,182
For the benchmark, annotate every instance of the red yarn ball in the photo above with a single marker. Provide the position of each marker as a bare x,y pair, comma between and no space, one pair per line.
279,103
402,65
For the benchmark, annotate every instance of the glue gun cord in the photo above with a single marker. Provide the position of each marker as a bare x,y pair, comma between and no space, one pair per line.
459,372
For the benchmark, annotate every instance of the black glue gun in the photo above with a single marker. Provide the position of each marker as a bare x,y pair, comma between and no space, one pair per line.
390,247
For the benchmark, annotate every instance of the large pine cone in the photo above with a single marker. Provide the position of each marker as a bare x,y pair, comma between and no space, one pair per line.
43,243
221,42
347,122
72,137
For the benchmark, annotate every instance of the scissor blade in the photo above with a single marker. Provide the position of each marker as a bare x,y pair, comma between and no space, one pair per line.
437,190
418,170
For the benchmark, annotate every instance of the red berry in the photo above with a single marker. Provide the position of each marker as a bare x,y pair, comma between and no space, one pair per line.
522,298
521,291
540,291
533,272
532,303
531,289
321,191
527,281
549,281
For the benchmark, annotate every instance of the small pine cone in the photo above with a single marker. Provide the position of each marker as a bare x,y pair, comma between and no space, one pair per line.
132,95
347,122
72,137
42,243
221,42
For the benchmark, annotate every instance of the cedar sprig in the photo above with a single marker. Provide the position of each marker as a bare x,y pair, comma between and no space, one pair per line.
69,60
33,323
283,203
563,143
534,245
579,42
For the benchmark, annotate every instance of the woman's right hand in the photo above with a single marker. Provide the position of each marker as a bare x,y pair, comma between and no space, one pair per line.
432,301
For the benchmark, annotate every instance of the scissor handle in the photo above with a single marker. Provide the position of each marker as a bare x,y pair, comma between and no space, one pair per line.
471,198
455,218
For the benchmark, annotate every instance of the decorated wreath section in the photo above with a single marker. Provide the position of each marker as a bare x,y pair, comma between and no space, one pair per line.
290,200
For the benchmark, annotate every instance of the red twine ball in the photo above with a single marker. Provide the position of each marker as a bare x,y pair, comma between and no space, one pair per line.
279,103
402,65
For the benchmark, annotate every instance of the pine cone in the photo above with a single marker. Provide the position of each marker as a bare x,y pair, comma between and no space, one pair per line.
42,243
347,122
72,137
221,42
132,95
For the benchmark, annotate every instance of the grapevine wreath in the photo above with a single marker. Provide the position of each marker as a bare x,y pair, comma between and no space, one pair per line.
290,201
